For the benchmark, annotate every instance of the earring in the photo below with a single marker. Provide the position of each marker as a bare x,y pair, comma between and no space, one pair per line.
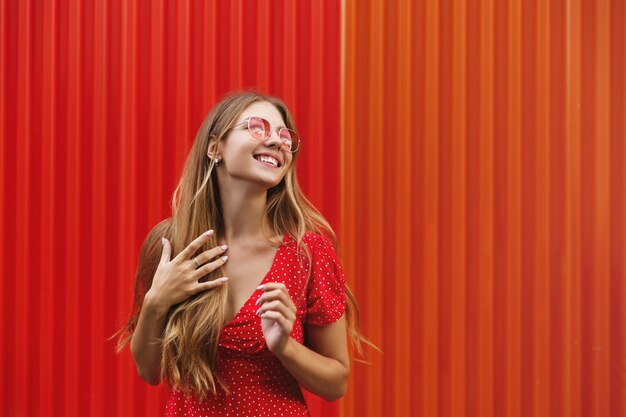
217,162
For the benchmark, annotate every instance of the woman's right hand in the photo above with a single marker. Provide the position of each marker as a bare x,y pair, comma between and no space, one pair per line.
177,280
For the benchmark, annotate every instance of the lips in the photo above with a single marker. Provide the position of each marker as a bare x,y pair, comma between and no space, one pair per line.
276,157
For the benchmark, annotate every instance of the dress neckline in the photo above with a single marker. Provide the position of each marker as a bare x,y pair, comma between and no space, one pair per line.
265,277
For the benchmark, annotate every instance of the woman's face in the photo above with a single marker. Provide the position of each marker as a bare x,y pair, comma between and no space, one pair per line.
240,152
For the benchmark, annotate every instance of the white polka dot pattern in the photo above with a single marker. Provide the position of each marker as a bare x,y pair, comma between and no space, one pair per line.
260,386
326,296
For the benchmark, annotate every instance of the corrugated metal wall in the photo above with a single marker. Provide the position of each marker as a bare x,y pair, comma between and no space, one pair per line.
478,188
483,206
100,103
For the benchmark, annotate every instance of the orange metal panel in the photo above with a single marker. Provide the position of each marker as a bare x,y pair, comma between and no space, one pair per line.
483,205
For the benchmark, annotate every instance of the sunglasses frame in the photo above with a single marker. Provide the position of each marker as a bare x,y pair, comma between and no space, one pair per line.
266,124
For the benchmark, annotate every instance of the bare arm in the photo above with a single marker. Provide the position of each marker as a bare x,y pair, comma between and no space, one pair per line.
323,368
174,281
144,346
323,365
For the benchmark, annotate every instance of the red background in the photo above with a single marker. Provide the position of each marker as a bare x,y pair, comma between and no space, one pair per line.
100,104
470,154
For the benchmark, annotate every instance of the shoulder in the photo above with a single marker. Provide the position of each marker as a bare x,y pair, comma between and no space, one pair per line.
313,247
151,247
162,227
317,240
322,248
159,230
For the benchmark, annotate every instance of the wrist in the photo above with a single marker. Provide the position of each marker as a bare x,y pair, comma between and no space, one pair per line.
286,350
154,305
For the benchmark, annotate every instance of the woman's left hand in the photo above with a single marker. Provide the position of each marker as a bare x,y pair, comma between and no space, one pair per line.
278,313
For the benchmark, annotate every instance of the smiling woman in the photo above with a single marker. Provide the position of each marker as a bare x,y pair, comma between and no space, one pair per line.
253,136
245,300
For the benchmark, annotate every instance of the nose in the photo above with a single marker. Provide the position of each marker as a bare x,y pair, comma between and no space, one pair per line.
274,139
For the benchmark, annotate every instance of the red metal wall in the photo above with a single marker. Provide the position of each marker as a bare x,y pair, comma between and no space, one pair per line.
472,162
100,103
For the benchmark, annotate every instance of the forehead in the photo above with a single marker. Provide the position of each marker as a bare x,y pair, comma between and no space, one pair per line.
265,110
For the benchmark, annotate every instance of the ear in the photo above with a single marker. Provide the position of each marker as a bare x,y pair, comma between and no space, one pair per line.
213,149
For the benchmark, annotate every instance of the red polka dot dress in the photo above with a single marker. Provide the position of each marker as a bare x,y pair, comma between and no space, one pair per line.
259,384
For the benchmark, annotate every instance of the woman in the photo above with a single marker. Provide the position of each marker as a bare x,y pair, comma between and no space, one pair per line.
239,296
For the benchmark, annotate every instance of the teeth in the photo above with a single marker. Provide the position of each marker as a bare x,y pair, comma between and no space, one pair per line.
269,159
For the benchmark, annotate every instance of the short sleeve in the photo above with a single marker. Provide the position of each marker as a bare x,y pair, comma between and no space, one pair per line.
326,295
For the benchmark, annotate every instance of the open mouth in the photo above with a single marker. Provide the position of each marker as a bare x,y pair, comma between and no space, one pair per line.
268,161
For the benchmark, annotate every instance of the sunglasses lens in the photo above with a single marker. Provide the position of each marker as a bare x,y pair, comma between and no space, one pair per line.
258,128
289,138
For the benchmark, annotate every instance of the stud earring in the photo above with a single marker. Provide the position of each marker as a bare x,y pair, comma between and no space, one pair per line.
217,162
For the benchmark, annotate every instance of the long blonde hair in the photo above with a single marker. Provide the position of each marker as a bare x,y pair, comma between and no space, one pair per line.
190,338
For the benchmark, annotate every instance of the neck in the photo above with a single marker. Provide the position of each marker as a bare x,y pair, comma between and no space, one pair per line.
244,214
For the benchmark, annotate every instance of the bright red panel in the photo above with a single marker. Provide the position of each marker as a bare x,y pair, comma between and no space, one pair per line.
99,104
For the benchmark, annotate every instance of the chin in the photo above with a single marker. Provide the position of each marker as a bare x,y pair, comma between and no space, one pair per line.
272,184
266,181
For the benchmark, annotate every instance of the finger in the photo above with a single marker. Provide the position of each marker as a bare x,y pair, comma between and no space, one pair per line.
270,295
279,307
277,294
280,319
167,250
210,254
210,267
193,247
268,286
210,284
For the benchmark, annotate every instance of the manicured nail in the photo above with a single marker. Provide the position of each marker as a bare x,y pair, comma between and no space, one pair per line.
223,279
224,247
224,258
258,301
162,241
260,287
209,233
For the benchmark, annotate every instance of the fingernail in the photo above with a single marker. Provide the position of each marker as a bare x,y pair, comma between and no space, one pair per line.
224,258
224,279
224,247
162,241
258,312
258,301
260,287
209,233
